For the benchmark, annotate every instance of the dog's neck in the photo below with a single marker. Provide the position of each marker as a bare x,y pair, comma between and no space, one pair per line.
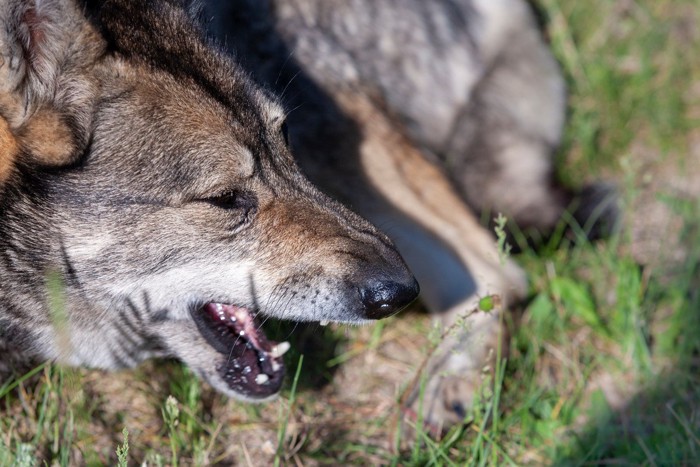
26,274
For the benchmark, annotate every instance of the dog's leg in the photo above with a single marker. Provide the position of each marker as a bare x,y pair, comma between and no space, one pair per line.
500,153
454,258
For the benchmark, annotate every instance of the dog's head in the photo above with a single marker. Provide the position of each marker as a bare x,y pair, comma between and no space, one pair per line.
147,169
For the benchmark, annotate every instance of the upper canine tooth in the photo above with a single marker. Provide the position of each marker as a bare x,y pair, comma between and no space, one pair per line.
262,378
280,349
324,322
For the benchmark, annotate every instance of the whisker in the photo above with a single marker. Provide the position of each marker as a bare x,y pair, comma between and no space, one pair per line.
292,110
286,60
288,83
296,323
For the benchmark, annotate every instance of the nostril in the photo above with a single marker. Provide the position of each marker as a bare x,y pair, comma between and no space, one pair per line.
385,298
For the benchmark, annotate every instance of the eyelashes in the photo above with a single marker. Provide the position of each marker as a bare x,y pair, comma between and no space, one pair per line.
239,207
229,200
235,200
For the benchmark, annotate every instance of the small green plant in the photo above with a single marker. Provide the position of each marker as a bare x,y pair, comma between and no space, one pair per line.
171,417
123,450
489,303
504,248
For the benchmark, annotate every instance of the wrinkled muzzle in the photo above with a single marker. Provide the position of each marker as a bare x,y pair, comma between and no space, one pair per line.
312,263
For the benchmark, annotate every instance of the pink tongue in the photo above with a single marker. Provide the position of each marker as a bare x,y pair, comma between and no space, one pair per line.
241,323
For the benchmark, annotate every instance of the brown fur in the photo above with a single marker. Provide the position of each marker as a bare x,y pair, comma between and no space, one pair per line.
8,150
47,138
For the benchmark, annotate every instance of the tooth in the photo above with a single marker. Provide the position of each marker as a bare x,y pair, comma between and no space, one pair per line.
280,349
219,308
324,322
262,378
240,314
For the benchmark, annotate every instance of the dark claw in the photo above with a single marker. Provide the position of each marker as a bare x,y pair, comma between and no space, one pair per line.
459,409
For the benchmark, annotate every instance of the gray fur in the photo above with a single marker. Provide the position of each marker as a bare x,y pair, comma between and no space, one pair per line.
184,194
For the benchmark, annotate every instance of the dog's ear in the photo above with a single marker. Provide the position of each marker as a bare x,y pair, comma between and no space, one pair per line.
46,47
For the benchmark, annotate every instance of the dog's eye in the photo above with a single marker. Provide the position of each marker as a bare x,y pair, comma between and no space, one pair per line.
238,207
285,133
224,201
234,200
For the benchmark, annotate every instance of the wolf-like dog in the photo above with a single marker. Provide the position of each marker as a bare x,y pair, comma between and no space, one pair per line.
150,205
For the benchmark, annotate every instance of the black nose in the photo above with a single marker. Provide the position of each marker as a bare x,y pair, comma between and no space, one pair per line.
384,298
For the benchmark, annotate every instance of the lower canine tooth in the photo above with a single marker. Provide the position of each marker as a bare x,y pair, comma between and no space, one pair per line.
324,322
280,349
262,378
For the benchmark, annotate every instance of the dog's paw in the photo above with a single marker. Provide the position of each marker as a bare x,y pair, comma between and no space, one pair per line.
444,401
457,374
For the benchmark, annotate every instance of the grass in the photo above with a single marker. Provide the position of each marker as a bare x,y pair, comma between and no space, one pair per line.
603,365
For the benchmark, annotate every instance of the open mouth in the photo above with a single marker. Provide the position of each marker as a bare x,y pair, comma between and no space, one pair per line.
252,365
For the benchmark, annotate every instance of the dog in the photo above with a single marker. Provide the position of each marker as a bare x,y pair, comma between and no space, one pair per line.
156,177
150,205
